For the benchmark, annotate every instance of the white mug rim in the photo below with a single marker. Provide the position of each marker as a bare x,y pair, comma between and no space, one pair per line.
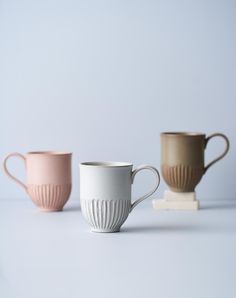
106,164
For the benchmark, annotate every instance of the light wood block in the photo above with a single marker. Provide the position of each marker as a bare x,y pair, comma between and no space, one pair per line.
179,196
176,201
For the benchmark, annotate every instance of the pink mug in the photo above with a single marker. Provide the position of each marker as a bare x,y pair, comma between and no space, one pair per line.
48,178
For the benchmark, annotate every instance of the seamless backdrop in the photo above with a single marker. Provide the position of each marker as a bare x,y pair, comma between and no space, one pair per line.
103,78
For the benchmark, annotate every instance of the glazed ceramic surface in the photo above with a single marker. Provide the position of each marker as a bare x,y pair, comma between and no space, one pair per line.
105,193
182,158
48,178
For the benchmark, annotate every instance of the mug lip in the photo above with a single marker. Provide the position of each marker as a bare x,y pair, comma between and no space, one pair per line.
106,164
183,134
53,153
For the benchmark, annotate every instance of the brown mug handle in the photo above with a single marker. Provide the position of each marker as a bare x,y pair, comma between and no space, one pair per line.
223,154
8,173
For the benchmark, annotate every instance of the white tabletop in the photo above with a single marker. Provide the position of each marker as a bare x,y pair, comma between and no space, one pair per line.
156,254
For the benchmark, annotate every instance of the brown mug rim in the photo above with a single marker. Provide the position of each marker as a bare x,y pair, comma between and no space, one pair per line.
183,134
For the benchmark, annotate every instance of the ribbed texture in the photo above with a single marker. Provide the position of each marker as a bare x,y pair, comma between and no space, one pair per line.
182,178
50,196
105,215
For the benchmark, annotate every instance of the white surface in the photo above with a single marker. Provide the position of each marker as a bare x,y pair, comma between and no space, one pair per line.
158,254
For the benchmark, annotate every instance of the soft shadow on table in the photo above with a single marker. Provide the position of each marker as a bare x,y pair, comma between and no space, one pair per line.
184,228
72,208
228,205
161,228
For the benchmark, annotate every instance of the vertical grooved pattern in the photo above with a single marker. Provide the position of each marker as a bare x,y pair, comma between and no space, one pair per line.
49,196
106,216
181,177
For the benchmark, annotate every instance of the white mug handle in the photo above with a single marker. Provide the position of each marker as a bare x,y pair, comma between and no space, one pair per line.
8,173
153,170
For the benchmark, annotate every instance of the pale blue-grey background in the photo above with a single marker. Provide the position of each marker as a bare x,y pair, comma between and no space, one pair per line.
103,78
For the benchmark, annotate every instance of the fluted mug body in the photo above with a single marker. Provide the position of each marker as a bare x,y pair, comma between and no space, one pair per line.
48,177
105,193
183,159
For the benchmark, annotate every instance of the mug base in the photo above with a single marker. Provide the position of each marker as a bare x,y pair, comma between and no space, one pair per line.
105,230
50,210
182,190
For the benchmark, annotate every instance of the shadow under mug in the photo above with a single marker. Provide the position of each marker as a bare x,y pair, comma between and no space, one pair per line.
48,178
182,158
105,193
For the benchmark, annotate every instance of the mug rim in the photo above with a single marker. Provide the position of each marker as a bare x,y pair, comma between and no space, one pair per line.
183,134
106,164
49,153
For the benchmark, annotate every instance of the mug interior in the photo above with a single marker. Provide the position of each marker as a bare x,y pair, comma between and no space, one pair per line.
106,164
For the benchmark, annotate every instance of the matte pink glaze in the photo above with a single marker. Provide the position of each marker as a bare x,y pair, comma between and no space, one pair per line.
48,178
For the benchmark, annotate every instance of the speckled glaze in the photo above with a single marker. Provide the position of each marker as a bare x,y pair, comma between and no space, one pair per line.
48,178
182,158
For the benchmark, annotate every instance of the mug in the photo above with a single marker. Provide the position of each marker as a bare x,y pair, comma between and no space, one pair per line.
48,178
182,158
105,193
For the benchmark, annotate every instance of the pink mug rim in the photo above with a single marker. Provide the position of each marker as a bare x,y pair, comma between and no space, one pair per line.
49,153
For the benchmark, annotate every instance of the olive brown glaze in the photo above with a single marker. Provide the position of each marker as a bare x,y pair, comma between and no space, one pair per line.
182,158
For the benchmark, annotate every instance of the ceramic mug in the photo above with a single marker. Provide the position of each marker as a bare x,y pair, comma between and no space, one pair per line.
48,178
105,193
182,158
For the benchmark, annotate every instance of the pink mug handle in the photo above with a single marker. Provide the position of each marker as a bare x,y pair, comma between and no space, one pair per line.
8,173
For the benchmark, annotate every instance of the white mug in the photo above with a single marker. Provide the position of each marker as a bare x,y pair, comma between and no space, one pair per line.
105,193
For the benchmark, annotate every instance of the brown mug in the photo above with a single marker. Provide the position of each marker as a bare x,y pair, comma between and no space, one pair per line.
48,178
182,158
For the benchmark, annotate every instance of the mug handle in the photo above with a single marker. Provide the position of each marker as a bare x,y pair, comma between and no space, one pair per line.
8,173
223,154
153,170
